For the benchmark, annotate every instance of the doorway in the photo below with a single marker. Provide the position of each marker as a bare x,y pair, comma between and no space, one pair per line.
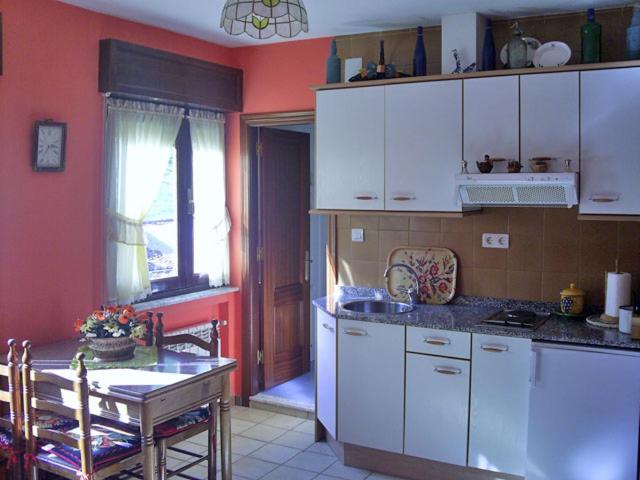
286,262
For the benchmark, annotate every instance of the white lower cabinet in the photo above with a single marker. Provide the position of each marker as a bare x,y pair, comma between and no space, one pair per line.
371,384
326,370
499,403
437,408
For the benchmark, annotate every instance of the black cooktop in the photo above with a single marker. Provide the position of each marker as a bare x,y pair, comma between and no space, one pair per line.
525,319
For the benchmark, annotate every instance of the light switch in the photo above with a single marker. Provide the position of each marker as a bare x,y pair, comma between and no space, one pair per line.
495,240
357,235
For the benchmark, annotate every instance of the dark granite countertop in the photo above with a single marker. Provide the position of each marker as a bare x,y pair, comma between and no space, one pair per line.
464,314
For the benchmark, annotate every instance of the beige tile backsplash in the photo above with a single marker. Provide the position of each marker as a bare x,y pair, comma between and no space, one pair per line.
549,248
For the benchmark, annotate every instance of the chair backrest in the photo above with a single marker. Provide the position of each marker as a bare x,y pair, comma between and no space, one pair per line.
10,396
163,340
77,389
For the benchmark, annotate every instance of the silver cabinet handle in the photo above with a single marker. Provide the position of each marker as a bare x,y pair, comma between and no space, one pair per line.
447,370
604,198
355,332
441,342
403,198
366,197
494,348
328,327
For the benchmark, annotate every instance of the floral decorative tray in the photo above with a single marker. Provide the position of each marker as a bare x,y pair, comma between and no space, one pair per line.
437,270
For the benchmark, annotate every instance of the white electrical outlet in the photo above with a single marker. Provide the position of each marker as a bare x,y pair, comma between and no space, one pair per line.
495,240
357,235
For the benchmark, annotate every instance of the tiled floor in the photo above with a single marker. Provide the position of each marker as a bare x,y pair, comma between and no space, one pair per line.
272,446
298,393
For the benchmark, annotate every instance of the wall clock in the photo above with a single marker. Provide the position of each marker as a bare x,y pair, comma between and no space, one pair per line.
49,146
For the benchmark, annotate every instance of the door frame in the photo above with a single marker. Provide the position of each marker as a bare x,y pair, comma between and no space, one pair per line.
251,307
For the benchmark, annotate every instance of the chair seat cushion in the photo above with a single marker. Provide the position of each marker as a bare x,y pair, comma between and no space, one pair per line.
182,423
5,439
109,444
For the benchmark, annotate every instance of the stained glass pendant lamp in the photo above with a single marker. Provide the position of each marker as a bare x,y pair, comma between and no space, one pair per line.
264,18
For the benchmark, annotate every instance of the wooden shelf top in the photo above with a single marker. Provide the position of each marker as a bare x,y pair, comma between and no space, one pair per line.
492,73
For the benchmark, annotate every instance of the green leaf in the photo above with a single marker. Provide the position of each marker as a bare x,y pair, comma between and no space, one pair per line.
260,23
270,3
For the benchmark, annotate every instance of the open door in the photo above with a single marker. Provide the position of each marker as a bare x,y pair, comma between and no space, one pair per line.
284,251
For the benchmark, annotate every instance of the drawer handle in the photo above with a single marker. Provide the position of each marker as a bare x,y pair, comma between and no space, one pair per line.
354,332
604,198
328,327
447,370
441,342
366,197
494,348
404,198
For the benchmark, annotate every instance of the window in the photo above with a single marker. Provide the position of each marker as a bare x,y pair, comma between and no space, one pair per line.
167,220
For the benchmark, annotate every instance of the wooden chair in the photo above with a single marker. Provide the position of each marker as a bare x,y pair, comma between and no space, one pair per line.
84,449
11,430
193,423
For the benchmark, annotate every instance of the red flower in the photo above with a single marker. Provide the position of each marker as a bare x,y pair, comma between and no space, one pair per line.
422,279
77,325
123,319
443,287
434,270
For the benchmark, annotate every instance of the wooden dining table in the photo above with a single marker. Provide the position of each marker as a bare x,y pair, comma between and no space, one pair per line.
148,396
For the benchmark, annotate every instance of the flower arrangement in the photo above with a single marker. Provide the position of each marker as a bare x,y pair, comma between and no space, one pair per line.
112,322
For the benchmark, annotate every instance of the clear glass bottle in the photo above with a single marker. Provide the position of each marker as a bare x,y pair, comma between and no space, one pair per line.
517,49
591,33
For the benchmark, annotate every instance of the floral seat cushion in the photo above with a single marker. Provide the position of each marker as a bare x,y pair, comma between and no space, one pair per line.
5,439
183,422
109,442
50,421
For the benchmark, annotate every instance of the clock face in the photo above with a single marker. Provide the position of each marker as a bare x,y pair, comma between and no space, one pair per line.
50,146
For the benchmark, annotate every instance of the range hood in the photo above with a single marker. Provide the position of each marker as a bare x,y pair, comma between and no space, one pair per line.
518,189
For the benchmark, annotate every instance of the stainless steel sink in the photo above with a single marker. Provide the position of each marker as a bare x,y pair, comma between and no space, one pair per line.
378,306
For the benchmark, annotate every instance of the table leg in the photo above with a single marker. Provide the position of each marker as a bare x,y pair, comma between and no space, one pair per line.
212,433
148,448
225,428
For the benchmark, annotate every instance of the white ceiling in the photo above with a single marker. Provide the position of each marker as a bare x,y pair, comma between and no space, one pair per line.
201,18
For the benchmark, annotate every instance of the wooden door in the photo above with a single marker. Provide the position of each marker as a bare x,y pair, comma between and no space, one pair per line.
284,211
423,146
350,149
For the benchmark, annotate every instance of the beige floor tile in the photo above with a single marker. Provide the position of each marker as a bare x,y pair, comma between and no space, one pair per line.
380,476
250,414
253,468
339,470
307,426
283,421
238,425
314,462
295,440
264,433
275,453
288,473
321,447
244,446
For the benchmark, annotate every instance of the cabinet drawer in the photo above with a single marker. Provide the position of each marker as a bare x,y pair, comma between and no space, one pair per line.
439,342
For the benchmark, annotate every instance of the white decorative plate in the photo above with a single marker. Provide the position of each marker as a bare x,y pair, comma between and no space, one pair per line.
532,45
552,54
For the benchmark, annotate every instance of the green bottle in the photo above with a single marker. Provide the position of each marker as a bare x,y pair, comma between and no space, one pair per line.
591,33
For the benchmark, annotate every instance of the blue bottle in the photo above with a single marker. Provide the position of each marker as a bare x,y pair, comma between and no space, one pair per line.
633,35
419,56
488,49
333,65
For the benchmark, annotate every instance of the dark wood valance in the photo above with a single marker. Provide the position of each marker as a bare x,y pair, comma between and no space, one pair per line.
129,69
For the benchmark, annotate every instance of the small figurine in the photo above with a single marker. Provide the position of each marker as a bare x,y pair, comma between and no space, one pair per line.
458,58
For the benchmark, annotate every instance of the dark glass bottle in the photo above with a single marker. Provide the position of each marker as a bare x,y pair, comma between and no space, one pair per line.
419,56
381,63
488,48
591,33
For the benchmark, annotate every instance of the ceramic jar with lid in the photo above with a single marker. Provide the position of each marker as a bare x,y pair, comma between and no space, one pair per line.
572,300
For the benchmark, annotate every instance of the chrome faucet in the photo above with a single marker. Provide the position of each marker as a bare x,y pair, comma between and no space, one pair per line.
414,297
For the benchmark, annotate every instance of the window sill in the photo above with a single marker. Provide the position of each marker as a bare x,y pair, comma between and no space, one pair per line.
184,298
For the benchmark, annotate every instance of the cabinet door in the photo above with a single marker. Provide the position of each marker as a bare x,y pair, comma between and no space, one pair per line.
350,149
491,119
549,118
437,408
423,145
609,167
326,370
370,384
499,403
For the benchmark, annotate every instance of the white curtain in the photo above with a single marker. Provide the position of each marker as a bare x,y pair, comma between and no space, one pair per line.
140,138
211,223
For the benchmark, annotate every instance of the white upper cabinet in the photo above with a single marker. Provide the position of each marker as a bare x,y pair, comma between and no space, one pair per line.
326,370
499,403
371,384
350,149
491,119
550,118
610,164
423,145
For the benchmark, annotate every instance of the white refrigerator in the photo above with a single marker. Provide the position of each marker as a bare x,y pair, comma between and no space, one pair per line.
584,418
